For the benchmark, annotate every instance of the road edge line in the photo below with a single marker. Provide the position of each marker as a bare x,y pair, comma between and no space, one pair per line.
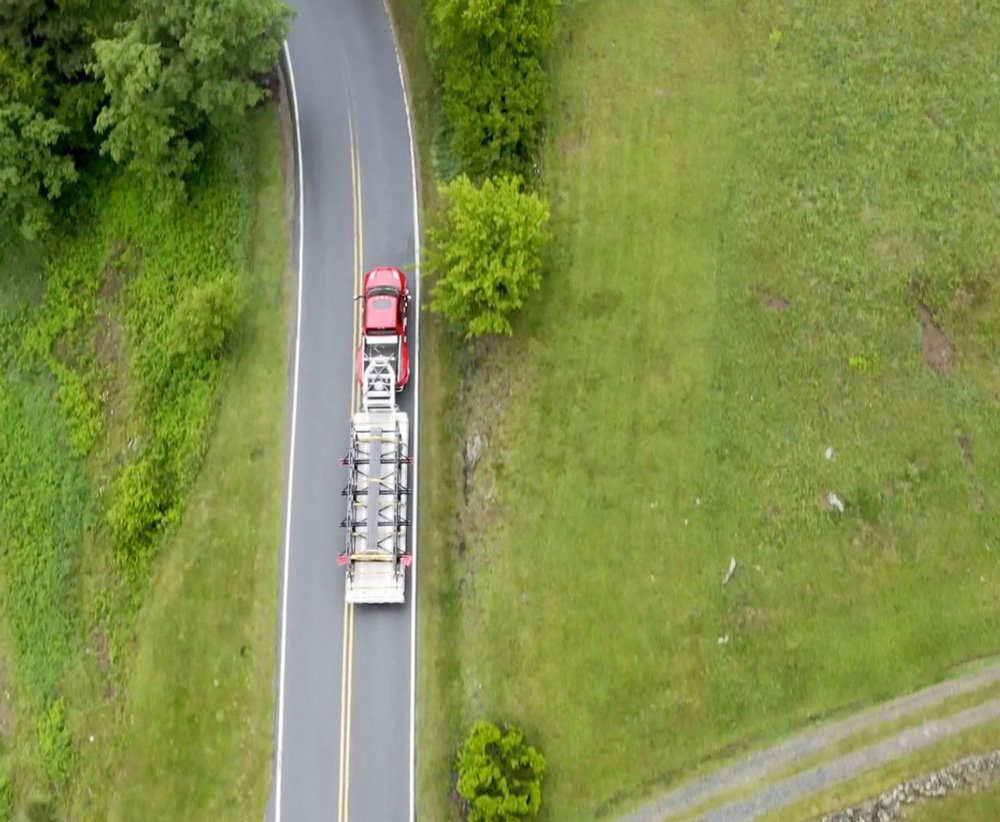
286,552
416,403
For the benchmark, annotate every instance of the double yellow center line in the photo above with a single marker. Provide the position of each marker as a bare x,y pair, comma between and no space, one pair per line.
343,797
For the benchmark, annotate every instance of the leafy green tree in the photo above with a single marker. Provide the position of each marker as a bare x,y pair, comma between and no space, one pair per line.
47,101
32,173
179,66
488,55
499,776
49,44
486,252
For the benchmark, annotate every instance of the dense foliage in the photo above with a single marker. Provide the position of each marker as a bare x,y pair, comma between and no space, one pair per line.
488,57
486,249
499,775
178,66
112,345
48,101
141,82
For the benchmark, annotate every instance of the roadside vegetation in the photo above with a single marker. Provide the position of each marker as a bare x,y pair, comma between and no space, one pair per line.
961,806
486,249
766,331
93,641
499,775
138,305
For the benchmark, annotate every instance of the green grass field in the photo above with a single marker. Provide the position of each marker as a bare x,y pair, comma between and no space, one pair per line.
776,232
139,682
970,806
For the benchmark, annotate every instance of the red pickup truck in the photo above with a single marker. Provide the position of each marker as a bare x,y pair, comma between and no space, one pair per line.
383,322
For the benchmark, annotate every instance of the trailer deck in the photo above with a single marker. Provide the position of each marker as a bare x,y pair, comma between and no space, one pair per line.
377,494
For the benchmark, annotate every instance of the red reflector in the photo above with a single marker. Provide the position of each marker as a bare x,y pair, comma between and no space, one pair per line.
342,559
406,559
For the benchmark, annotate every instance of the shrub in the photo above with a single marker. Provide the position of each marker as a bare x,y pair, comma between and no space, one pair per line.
488,54
55,743
206,315
137,508
499,776
486,252
81,412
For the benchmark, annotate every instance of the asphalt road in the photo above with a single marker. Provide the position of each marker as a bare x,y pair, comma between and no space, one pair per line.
344,703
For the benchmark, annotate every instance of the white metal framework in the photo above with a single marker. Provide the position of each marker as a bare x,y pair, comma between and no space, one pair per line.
375,553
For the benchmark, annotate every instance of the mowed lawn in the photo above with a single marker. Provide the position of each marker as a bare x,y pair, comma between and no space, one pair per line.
965,806
773,277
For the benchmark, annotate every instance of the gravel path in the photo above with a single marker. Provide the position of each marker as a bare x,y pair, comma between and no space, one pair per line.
850,765
756,766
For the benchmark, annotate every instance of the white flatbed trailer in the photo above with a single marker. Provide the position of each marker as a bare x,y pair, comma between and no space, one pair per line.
375,556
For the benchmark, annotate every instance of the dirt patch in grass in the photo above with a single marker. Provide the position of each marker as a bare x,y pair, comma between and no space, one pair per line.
774,301
99,648
566,144
107,341
938,351
112,284
966,445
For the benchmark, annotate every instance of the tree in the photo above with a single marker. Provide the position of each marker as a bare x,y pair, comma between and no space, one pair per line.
178,67
487,253
47,101
32,173
50,43
488,56
499,776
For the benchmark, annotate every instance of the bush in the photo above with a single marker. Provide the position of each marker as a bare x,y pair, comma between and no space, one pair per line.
206,315
55,743
137,508
487,54
499,776
486,252
81,412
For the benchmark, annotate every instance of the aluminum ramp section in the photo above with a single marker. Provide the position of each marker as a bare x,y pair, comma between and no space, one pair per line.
377,494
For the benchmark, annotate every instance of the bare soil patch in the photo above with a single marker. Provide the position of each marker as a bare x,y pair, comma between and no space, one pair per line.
966,445
566,144
112,276
938,351
775,301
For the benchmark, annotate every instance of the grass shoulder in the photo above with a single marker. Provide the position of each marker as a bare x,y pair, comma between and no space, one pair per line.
97,381
754,299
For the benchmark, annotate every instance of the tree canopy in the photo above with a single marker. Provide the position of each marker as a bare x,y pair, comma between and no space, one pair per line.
179,66
47,101
488,55
142,82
